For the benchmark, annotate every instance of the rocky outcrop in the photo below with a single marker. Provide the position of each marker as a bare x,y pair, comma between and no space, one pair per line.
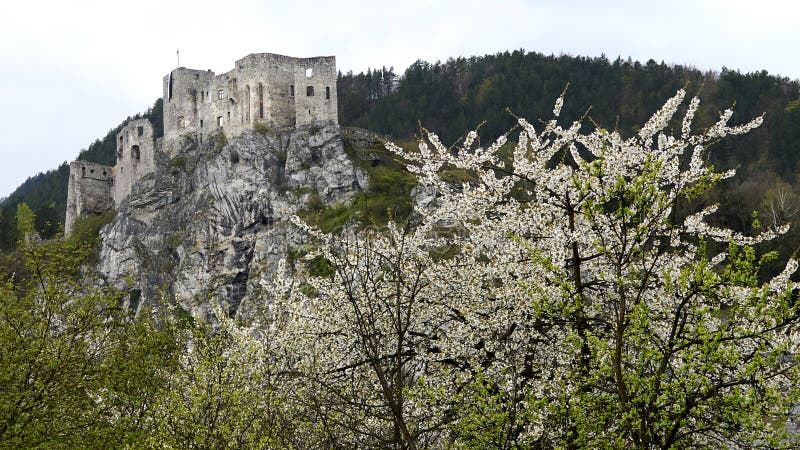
211,221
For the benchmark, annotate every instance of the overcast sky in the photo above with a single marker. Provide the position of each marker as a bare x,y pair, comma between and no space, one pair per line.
72,70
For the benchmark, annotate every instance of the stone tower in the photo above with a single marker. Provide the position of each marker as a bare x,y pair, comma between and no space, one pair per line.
94,188
135,157
88,191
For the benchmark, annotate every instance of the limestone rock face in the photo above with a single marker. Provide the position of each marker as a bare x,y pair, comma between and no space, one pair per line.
212,221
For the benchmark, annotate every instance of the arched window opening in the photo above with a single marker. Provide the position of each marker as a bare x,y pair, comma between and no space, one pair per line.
83,171
135,155
310,91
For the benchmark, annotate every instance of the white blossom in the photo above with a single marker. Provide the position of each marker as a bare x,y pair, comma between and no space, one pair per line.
566,285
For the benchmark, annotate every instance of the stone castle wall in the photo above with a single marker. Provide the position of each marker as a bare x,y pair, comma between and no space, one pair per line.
94,188
88,191
263,88
274,90
135,157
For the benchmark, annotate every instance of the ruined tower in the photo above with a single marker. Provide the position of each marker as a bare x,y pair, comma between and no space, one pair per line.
88,191
94,188
135,157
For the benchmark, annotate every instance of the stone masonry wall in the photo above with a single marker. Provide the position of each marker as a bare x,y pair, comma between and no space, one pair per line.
275,90
263,88
88,191
187,101
135,157
316,96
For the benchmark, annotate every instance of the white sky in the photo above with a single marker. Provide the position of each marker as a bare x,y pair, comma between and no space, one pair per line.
72,70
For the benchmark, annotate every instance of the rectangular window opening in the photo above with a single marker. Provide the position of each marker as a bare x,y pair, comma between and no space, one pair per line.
140,131
169,88
291,90
310,91
327,92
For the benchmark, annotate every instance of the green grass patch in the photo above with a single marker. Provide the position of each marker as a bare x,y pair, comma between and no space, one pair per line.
86,229
178,162
262,128
388,196
330,219
219,140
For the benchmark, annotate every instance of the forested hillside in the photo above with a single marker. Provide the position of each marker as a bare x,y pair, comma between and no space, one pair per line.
461,94
456,96
453,97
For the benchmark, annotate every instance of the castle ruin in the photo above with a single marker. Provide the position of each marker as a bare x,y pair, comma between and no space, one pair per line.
263,89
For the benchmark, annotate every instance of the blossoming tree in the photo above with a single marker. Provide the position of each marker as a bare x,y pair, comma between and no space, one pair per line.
557,296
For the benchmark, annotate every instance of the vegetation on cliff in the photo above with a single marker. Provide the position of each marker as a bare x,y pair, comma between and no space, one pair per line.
567,292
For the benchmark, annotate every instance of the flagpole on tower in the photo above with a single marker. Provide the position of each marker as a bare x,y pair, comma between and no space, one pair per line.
178,54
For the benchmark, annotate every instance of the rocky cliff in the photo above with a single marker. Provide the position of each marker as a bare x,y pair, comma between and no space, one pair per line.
213,220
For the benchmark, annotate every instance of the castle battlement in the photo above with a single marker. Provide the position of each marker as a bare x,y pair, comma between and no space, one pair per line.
262,89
